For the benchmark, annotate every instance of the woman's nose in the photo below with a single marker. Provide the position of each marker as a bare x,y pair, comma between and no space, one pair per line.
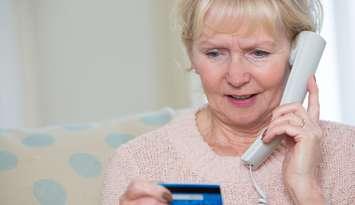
238,73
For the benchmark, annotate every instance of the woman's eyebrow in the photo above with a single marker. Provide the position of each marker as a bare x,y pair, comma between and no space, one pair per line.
242,45
242,42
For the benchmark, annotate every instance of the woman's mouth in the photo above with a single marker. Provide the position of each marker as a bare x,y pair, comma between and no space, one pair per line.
242,97
242,100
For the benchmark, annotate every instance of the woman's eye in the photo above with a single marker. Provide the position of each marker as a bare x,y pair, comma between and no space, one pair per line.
213,53
260,53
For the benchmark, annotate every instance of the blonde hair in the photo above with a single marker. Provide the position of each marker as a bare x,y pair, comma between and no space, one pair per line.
290,16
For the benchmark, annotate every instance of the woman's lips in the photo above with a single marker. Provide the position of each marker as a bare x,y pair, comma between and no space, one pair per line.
242,101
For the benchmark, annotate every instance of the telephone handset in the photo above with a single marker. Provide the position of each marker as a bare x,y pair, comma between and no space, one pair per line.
304,59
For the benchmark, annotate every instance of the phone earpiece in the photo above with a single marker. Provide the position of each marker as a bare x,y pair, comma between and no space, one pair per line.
293,53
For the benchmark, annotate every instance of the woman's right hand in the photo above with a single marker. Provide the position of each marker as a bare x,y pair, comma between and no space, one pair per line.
145,193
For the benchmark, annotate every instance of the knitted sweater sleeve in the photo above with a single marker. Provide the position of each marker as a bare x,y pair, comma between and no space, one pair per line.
121,169
340,162
345,186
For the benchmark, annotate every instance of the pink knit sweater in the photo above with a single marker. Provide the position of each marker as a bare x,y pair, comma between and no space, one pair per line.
176,153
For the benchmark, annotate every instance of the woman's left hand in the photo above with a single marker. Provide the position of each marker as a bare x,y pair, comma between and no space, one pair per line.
302,133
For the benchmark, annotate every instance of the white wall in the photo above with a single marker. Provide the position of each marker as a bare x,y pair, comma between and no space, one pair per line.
327,74
94,60
11,71
345,26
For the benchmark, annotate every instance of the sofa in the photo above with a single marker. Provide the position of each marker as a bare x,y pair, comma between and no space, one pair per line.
64,165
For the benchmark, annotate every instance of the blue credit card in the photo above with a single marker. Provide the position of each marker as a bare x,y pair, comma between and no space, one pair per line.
195,194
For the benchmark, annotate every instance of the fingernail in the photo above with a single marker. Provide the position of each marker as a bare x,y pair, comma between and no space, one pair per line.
167,197
263,135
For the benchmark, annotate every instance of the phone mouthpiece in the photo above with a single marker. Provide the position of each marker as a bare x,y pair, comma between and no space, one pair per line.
258,152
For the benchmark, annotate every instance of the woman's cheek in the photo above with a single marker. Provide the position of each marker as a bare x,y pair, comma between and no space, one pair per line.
272,75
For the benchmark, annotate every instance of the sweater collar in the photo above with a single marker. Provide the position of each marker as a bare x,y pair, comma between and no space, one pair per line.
202,159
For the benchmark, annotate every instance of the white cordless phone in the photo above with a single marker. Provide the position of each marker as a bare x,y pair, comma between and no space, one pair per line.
304,59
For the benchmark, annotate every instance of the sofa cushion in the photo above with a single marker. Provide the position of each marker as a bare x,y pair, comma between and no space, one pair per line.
65,164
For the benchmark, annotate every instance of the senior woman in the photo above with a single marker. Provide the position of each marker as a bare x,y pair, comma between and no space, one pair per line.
240,50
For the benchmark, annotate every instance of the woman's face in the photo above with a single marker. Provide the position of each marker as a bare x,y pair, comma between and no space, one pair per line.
242,74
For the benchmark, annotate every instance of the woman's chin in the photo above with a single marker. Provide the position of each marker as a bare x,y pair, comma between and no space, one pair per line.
245,118
247,121
235,120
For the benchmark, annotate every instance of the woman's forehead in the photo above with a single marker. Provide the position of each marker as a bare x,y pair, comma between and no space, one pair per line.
242,40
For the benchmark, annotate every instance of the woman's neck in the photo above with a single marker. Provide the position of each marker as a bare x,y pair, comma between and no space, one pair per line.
225,139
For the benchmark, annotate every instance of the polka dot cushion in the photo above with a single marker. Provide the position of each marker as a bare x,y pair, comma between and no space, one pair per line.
64,165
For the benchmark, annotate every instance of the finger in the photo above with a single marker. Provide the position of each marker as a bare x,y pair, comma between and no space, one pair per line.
296,108
139,189
148,201
142,201
282,129
313,99
290,118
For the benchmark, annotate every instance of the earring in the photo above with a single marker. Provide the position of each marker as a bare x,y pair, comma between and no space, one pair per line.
193,70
